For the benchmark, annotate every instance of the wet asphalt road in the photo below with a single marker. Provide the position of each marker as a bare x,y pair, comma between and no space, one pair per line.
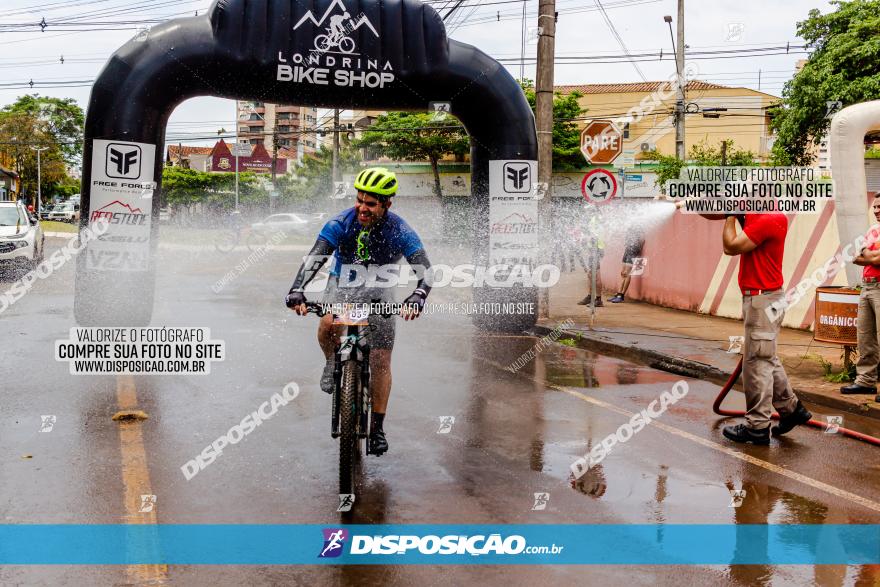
514,435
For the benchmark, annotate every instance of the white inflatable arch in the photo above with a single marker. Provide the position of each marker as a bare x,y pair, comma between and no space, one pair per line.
847,144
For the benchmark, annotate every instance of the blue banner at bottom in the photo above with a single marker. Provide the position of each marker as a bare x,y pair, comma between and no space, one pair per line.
455,544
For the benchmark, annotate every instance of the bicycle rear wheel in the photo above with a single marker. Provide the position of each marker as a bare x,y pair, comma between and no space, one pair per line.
349,444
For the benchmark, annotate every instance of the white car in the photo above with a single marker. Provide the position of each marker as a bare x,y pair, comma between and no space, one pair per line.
21,239
287,223
65,212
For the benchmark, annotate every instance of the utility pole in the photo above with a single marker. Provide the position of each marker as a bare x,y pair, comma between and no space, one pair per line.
544,122
522,42
335,145
724,153
679,66
39,178
275,154
678,49
235,152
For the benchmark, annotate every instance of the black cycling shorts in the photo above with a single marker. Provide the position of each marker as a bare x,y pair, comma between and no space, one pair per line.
633,249
382,329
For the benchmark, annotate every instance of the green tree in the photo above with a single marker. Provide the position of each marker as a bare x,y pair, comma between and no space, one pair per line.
415,136
313,178
842,67
701,154
181,186
60,120
567,154
705,154
19,131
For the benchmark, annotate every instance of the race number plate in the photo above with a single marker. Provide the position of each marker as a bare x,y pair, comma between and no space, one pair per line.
353,315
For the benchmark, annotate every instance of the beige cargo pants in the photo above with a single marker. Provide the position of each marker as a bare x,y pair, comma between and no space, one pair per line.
869,350
764,380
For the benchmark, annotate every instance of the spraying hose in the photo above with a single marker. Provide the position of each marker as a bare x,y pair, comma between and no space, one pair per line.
731,381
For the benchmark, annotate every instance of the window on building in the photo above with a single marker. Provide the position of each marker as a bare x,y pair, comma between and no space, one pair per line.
283,129
283,142
256,129
257,104
283,116
254,116
256,141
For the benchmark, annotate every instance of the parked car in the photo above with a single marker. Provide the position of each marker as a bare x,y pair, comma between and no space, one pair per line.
21,238
289,223
44,211
65,212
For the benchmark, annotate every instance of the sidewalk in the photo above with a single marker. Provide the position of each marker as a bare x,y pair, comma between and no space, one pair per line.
695,344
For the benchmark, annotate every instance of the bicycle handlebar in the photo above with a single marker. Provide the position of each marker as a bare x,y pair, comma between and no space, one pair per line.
321,309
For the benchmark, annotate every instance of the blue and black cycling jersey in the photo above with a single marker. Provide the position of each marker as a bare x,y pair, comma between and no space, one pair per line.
384,243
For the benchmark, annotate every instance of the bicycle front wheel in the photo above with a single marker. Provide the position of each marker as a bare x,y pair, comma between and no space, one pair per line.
323,43
255,240
349,448
226,241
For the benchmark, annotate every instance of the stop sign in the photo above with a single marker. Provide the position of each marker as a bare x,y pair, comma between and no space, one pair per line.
601,142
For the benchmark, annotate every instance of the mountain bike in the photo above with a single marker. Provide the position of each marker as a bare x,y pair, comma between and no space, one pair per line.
324,43
230,238
352,398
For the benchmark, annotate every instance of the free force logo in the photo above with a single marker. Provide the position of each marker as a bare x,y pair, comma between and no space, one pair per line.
334,540
123,161
517,178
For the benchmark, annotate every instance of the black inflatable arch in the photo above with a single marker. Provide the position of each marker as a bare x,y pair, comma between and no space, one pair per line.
270,50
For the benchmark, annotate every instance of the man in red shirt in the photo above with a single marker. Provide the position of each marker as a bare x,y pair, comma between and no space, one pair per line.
869,312
761,245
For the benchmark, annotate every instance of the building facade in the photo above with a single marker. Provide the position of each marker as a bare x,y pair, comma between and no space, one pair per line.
644,113
291,127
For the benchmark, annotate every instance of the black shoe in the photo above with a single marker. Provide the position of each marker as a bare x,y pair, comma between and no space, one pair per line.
742,433
599,303
799,416
585,301
378,444
616,299
856,389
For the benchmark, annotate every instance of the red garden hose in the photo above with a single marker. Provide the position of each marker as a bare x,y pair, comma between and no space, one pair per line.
716,407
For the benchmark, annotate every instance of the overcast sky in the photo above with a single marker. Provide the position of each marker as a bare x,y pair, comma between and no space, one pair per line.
709,25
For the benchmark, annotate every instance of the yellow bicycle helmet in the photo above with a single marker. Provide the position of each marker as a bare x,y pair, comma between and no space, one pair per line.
377,181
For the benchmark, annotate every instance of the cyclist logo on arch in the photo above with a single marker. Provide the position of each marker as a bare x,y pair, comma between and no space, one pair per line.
340,26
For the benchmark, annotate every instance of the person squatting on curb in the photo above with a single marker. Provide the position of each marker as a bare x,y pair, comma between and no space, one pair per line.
761,245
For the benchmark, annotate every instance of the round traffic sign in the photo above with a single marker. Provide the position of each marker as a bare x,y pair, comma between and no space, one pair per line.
599,186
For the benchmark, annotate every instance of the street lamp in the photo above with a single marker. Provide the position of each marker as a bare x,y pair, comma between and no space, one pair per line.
39,178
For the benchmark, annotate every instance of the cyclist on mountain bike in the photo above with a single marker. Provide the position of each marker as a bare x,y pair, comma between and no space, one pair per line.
336,28
367,234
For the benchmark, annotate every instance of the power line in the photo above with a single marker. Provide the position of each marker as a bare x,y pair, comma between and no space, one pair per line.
619,39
